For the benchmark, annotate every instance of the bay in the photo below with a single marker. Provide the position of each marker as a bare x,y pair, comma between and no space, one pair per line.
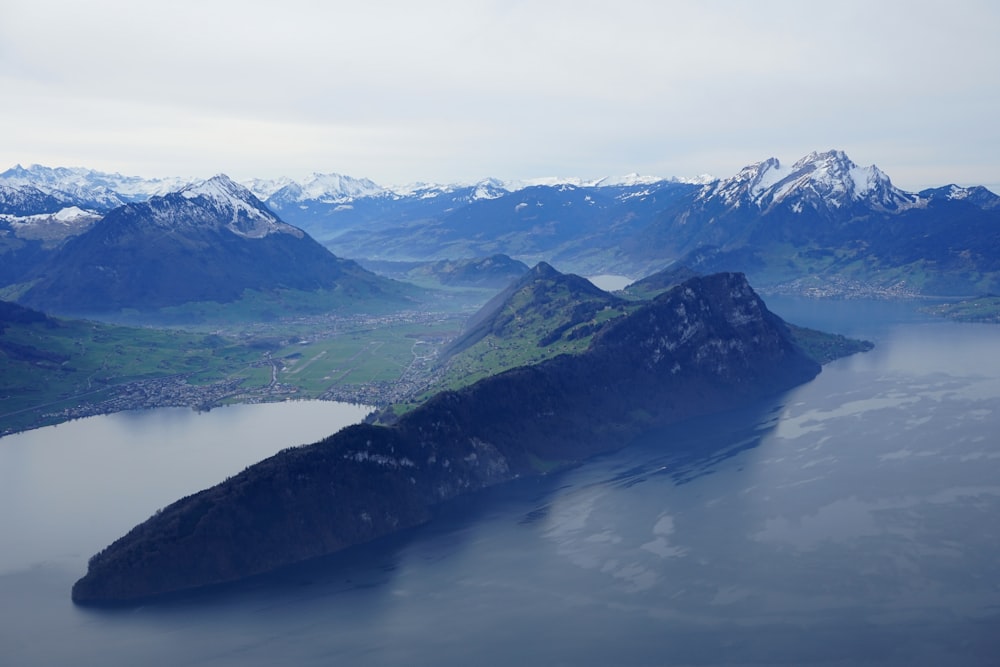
851,521
66,491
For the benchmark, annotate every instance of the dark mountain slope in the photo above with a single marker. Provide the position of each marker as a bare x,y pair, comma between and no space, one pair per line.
656,283
209,242
707,345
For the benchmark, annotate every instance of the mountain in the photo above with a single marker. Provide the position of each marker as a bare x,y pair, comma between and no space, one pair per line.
826,182
12,313
495,271
210,241
819,198
88,188
320,188
828,223
27,200
328,205
567,225
541,315
823,225
32,224
659,282
43,207
708,345
977,196
542,306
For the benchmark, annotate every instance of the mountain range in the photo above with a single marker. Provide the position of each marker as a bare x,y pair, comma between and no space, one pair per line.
822,225
208,242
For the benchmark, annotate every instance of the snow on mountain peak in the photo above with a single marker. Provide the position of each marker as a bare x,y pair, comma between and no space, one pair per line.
331,188
337,187
489,188
220,184
829,177
71,213
247,215
90,186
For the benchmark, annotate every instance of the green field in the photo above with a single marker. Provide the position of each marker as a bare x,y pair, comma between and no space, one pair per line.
57,369
48,366
360,357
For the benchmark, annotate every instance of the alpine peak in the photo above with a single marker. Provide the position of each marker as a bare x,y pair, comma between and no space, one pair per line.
821,180
243,213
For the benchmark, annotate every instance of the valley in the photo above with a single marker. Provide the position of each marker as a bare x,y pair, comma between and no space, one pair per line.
93,368
225,301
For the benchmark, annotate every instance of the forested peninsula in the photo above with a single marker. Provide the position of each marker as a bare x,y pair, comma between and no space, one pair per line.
706,345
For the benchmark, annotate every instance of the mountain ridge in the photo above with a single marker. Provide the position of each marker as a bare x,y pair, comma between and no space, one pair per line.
209,241
706,345
821,222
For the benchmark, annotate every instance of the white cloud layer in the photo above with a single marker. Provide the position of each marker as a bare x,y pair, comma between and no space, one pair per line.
445,91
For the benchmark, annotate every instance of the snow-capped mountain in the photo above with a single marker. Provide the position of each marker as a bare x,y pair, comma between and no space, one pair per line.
327,188
977,196
825,210
337,189
818,180
88,188
237,206
28,200
72,220
628,180
209,241
487,188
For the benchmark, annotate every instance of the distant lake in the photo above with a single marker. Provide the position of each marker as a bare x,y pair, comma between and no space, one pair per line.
610,282
852,521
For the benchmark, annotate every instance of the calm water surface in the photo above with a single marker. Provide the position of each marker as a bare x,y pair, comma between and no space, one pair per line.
852,521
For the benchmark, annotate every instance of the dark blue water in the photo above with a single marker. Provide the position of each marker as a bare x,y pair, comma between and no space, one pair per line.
852,521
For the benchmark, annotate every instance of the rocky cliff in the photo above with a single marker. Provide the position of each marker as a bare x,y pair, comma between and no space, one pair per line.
706,345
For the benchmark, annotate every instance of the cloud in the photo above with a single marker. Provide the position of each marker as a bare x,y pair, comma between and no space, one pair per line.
460,90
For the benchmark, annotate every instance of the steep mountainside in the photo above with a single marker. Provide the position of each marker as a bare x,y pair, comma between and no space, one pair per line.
709,344
542,305
208,242
33,223
661,281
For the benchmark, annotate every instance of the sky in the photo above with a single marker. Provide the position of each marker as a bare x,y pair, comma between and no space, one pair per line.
438,91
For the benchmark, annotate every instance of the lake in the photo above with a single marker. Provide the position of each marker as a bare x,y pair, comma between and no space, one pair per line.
852,521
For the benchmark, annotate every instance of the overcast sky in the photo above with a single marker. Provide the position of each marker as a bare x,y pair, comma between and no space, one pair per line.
458,91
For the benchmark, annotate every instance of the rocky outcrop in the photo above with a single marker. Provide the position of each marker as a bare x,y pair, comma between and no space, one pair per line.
707,345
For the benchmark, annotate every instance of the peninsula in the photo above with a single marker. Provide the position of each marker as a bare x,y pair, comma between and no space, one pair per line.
706,345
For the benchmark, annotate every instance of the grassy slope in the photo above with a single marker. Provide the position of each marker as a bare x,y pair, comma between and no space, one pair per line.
538,322
46,367
59,363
